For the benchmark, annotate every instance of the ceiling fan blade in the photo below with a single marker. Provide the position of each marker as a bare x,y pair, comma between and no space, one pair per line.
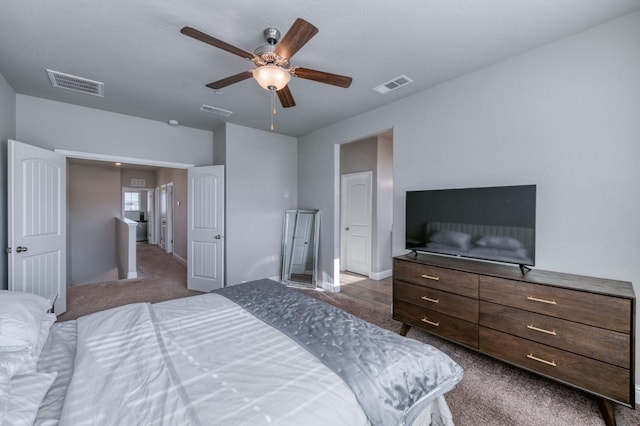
298,35
230,80
286,99
206,38
322,77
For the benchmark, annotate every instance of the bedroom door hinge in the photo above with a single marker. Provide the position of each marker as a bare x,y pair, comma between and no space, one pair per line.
8,250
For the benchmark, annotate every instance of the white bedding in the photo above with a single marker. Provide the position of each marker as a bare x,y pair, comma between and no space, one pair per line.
200,360
58,356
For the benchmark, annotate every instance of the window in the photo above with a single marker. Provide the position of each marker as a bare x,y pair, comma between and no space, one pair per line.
131,201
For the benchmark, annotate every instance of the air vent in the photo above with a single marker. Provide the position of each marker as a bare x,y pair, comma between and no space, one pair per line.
138,183
75,83
214,110
394,84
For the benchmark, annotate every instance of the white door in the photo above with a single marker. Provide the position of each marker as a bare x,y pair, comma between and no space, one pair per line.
37,222
356,222
205,228
151,237
163,217
301,238
156,218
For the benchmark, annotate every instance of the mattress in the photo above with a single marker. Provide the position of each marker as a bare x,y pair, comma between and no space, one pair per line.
197,360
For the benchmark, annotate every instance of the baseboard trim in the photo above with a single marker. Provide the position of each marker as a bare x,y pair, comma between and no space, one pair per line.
380,275
180,259
132,275
330,287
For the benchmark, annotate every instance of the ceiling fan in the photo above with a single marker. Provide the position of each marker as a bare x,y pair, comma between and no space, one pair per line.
273,70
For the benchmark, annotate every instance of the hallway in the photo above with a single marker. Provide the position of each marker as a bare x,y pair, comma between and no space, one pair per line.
160,277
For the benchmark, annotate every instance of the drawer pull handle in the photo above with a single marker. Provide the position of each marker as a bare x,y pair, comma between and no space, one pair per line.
428,299
430,277
544,361
535,299
435,324
541,330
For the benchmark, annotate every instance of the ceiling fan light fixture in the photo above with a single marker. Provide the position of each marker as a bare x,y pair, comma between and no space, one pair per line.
271,76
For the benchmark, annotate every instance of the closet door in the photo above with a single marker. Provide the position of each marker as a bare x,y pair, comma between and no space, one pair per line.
205,228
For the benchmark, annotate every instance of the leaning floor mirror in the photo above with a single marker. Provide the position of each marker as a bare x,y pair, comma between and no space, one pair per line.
300,247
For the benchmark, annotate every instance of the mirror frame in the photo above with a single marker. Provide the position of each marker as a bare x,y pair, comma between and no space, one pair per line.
285,270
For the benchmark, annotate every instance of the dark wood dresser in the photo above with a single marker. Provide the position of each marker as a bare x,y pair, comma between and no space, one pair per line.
575,329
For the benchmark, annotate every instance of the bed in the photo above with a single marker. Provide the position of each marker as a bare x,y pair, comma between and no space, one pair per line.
255,353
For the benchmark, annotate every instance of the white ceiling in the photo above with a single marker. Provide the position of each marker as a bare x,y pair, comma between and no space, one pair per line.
150,70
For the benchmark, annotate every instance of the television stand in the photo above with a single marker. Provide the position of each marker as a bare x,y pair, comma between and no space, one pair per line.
574,329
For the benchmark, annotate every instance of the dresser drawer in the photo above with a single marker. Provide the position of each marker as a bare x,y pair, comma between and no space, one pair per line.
604,345
437,323
443,279
444,302
595,376
602,311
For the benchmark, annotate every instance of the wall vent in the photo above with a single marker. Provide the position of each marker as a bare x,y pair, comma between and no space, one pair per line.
214,110
138,183
75,83
394,84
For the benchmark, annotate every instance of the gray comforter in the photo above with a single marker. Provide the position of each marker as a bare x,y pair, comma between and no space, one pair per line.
393,377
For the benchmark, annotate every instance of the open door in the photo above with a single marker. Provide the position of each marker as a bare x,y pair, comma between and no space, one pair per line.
37,222
205,228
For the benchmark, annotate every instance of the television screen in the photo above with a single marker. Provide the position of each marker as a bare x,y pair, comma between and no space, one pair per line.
494,223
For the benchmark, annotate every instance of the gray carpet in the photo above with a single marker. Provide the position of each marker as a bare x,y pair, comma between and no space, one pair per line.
493,393
160,277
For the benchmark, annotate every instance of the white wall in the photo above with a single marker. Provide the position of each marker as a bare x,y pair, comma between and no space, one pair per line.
564,117
384,208
7,131
52,125
260,169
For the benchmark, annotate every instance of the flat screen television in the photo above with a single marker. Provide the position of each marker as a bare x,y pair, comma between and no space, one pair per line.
492,223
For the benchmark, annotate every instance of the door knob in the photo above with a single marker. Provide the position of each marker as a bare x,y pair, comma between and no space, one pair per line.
218,237
346,229
20,249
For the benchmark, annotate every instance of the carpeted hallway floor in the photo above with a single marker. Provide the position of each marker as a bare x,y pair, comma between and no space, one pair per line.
160,277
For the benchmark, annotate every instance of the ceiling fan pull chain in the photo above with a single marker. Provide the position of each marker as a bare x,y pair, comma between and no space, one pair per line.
272,111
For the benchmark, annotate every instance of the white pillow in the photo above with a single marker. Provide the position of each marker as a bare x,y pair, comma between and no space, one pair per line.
31,360
20,318
26,395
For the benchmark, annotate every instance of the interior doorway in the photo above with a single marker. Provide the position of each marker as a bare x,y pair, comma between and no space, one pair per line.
366,206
